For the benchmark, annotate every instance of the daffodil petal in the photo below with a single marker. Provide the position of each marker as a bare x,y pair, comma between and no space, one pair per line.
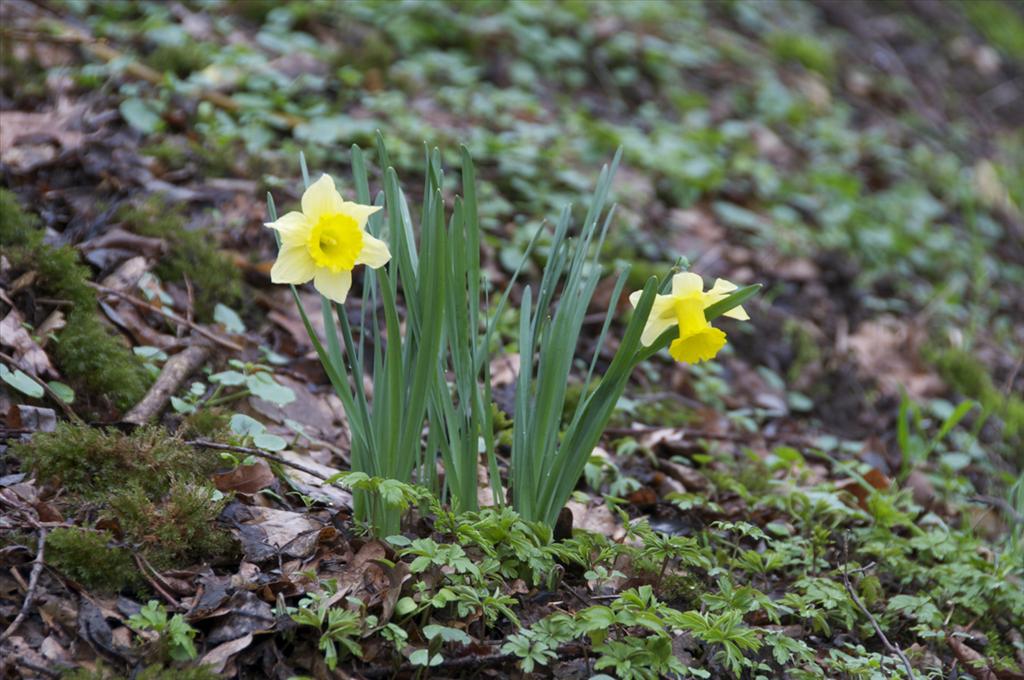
293,265
689,313
737,313
634,297
698,347
661,318
686,283
360,212
375,252
720,291
292,227
321,198
333,285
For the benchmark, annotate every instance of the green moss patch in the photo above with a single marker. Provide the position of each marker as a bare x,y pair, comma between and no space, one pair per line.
969,376
92,558
151,488
90,357
214,277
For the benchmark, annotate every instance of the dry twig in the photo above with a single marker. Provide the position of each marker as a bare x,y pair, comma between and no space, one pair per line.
891,647
33,582
174,372
224,342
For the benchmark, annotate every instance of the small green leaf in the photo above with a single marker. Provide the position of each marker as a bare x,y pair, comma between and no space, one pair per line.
141,115
228,378
63,392
244,425
269,442
228,318
265,387
20,381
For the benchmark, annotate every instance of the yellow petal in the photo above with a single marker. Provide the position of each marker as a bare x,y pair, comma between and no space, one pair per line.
698,347
360,212
321,198
334,285
720,291
634,297
662,318
293,265
375,253
686,283
292,227
689,313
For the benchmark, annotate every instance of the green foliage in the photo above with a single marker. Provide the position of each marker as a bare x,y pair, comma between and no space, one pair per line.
214,276
965,373
151,484
339,627
92,558
176,527
174,634
1000,23
92,463
812,53
93,360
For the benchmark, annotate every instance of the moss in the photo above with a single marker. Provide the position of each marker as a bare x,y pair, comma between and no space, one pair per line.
998,21
175,528
206,423
214,277
17,228
969,376
88,462
811,53
181,60
89,356
91,558
151,485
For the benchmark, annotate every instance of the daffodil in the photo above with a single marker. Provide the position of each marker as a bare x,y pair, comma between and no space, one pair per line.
326,241
684,307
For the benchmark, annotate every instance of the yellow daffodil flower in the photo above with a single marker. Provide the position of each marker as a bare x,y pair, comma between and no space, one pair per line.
325,241
684,307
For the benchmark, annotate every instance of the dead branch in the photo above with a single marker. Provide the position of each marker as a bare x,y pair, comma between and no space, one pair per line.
210,335
175,371
203,444
33,582
891,647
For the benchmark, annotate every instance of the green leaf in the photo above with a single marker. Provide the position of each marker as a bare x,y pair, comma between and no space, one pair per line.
20,381
269,442
228,378
244,425
446,633
141,115
63,392
264,386
228,318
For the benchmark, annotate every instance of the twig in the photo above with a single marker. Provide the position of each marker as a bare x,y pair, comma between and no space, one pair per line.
893,648
155,580
33,582
203,444
174,372
68,411
224,342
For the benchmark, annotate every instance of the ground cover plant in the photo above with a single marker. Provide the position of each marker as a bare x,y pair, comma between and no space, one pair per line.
493,426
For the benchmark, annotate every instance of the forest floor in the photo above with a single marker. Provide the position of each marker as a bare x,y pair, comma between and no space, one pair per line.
839,495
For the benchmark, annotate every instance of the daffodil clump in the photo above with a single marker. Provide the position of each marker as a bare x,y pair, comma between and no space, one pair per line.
434,368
